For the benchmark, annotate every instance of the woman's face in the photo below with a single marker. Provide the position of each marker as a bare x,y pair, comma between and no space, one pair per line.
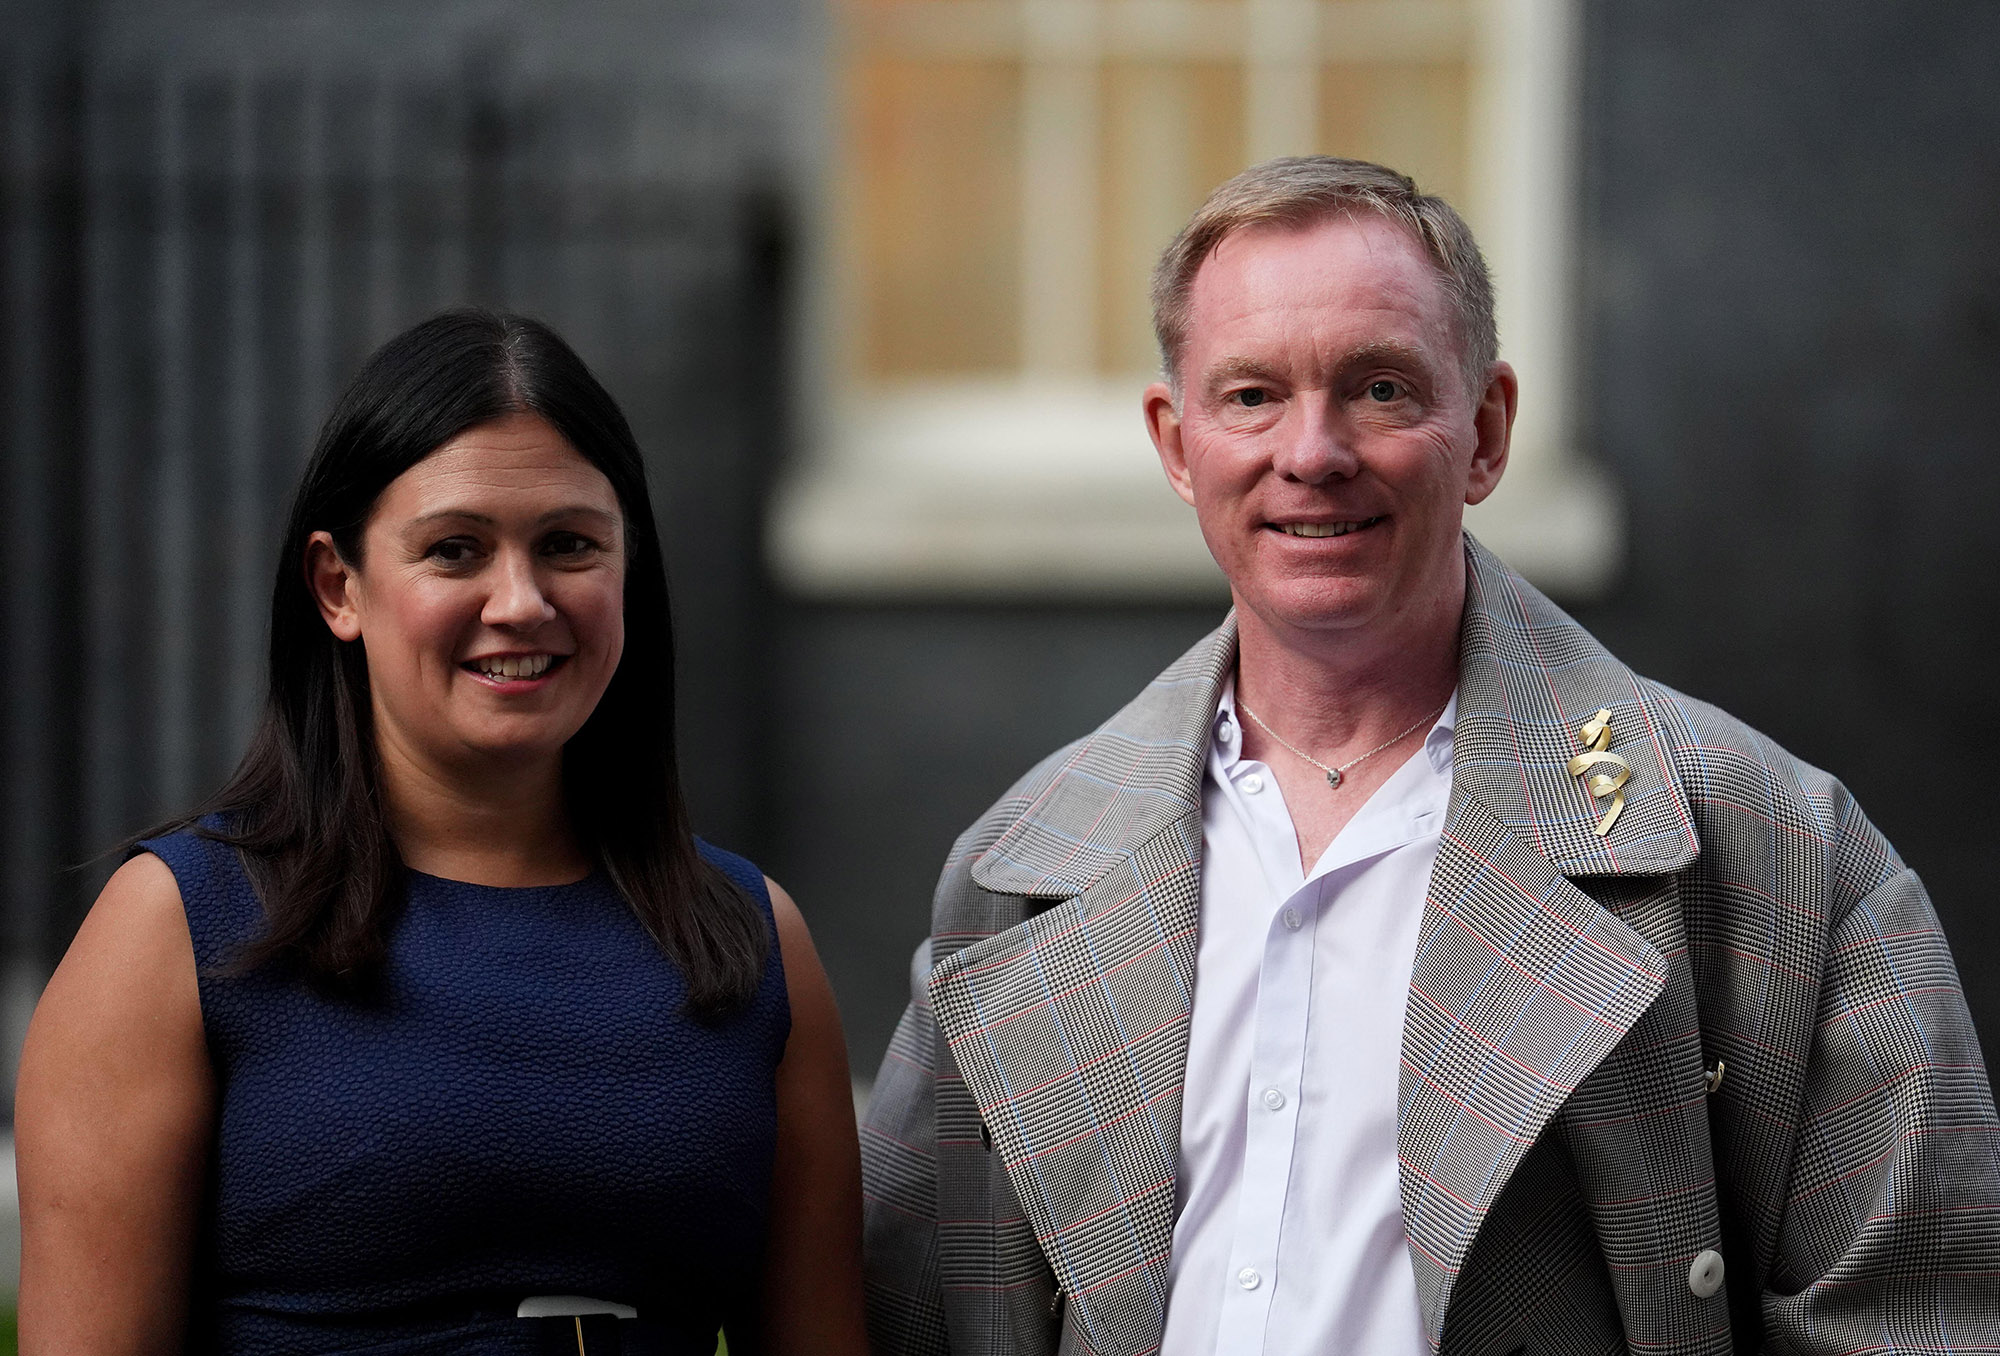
489,599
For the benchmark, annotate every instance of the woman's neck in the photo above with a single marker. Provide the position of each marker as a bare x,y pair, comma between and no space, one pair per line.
504,825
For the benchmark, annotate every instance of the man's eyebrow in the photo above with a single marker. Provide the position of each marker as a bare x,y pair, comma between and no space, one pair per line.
1385,353
1374,353
1236,369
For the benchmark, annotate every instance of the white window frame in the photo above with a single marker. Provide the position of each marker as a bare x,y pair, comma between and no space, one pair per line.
1042,483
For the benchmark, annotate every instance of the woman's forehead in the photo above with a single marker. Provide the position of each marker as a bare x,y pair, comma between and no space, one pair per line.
512,466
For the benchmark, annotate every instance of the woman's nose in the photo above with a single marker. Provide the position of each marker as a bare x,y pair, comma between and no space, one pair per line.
517,600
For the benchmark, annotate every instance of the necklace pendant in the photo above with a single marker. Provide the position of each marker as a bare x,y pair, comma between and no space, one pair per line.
1333,777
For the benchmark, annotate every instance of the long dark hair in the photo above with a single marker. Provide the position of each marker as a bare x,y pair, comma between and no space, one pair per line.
304,806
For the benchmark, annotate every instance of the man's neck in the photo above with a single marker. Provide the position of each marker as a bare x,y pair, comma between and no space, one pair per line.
1338,695
1357,704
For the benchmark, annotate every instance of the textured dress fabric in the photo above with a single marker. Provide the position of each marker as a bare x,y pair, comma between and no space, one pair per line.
526,1110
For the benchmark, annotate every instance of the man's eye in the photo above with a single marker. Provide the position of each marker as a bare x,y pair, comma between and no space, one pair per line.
1383,391
1251,397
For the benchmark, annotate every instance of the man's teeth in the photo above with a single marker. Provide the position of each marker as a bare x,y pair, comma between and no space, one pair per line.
1326,529
513,666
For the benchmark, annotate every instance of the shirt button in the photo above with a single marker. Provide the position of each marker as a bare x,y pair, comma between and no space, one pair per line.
1292,919
1274,1099
1248,1278
1705,1276
1252,784
1225,732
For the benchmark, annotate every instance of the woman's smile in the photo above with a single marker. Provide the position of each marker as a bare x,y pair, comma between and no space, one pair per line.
514,672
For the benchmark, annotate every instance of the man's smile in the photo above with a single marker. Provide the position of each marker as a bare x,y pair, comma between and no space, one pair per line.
1326,529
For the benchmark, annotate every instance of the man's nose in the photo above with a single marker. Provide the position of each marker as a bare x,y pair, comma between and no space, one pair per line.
517,600
1314,443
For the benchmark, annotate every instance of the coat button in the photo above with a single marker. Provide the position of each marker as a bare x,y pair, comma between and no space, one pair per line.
985,1137
1705,1276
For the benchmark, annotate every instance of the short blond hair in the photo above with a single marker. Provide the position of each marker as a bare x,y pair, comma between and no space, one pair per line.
1302,190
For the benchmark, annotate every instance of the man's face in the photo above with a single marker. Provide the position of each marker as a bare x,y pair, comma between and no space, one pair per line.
1325,434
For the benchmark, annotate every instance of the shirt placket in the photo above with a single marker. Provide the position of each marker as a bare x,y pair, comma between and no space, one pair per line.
1284,992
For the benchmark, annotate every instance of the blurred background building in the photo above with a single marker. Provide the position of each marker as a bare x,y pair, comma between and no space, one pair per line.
869,277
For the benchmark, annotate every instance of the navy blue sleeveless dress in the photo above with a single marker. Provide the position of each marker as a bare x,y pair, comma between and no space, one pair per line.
527,1112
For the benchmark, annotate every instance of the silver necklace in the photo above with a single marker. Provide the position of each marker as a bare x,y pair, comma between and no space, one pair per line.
1334,774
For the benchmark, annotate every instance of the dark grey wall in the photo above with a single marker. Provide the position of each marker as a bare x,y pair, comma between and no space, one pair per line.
1792,329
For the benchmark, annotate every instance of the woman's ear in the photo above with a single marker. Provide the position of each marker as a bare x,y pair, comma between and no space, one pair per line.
332,581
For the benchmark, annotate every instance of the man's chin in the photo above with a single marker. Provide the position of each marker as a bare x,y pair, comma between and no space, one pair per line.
1325,608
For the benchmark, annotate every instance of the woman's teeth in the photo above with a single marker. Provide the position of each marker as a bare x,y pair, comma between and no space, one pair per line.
1326,529
514,666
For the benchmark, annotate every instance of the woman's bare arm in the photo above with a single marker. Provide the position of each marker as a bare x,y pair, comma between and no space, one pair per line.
812,1273
114,1114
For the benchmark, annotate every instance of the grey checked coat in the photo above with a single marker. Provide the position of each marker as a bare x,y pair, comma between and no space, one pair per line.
1563,1162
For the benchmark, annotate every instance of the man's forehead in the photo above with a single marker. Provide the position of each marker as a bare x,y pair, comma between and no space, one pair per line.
1351,253
1343,283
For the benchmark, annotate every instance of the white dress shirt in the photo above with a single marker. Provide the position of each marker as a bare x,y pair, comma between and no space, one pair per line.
1289,1232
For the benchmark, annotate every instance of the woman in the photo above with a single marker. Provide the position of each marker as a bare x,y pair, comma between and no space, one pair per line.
437,1015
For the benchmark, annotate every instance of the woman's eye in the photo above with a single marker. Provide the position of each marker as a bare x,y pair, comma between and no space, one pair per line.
1384,391
1251,397
568,544
451,551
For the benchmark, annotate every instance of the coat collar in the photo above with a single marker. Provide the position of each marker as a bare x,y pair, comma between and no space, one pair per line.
1529,677
1140,772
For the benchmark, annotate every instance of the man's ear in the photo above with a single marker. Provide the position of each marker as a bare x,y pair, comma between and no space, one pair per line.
1494,421
331,580
1163,424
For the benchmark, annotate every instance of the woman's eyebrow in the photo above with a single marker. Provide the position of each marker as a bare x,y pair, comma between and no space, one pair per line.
455,515
588,511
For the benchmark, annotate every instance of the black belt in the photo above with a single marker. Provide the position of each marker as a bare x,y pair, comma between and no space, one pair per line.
570,1325
595,1335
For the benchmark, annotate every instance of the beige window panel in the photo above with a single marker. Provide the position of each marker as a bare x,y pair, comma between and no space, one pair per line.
1005,172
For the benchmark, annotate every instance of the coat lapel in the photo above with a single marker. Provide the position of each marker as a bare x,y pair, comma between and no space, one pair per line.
1521,986
1071,1029
1522,983
1528,678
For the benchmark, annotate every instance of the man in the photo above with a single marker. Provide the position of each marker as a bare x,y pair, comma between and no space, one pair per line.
1399,972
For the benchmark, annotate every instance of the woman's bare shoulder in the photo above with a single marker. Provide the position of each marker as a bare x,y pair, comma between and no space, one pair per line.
138,912
113,1118
785,913
126,989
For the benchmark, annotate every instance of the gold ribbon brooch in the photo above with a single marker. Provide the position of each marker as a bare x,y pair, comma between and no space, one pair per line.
1596,744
